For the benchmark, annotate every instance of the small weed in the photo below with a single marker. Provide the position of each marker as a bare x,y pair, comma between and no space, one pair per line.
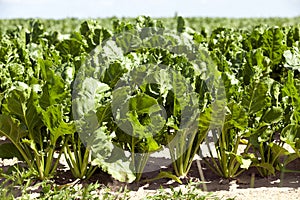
18,185
188,192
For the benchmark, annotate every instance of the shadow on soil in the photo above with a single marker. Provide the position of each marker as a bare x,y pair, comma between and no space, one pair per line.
213,181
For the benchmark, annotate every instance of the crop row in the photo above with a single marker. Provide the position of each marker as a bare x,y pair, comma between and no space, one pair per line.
109,98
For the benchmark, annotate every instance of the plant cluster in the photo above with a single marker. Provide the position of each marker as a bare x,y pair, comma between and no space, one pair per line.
95,93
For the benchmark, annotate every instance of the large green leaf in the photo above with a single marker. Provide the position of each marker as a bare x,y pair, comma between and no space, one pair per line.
144,104
54,121
69,47
256,96
236,117
143,120
15,132
89,95
110,157
272,115
113,73
55,90
292,37
273,44
93,34
256,67
12,130
9,150
291,97
21,103
93,114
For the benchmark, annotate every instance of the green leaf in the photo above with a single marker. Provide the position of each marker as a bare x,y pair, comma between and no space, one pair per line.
113,73
278,150
13,131
119,169
292,59
55,91
36,30
164,174
205,120
110,157
9,150
69,47
236,117
21,103
104,114
139,116
256,96
291,157
89,97
16,99
145,119
84,28
272,115
54,121
269,167
273,44
291,135
144,104
32,146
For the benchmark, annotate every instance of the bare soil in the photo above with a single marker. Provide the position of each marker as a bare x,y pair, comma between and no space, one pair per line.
280,186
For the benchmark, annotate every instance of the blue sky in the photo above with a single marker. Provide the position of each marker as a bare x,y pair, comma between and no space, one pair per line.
154,8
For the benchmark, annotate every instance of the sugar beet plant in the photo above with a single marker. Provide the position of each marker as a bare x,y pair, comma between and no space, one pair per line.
149,97
109,98
38,69
34,110
256,69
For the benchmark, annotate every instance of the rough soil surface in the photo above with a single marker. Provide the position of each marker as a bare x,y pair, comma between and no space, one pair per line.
281,186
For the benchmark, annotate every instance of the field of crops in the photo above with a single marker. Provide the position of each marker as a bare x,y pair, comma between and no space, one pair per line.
105,95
